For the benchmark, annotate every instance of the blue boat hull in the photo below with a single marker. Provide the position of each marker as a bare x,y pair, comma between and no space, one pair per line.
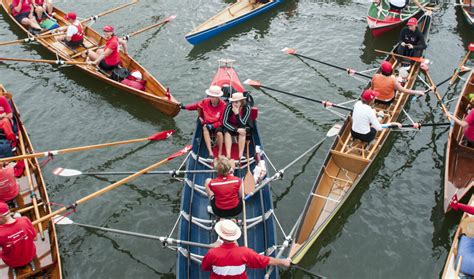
204,35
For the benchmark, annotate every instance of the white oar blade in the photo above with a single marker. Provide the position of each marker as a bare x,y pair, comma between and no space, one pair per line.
61,220
334,130
66,172
288,50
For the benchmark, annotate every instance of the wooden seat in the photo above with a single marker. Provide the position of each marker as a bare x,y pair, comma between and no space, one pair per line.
357,145
24,197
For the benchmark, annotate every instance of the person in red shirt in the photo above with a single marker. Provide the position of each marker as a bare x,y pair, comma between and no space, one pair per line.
468,125
236,116
108,58
17,236
224,191
135,80
23,13
41,7
74,31
212,111
6,118
229,261
9,189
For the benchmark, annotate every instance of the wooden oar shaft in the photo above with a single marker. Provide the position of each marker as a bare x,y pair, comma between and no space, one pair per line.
69,150
28,40
331,65
438,96
26,209
108,12
102,191
57,62
459,68
146,28
86,50
416,59
177,172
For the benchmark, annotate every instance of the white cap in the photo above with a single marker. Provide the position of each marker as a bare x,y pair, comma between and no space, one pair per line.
136,74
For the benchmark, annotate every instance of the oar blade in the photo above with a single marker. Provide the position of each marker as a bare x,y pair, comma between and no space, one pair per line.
66,172
180,153
61,220
170,18
161,135
288,50
253,83
334,130
249,183
470,47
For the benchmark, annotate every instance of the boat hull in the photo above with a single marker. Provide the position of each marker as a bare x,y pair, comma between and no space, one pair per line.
468,11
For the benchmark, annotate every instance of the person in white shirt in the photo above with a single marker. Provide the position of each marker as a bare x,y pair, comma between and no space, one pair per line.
74,32
364,120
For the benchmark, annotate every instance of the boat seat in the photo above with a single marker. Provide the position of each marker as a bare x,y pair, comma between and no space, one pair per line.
357,145
24,197
63,48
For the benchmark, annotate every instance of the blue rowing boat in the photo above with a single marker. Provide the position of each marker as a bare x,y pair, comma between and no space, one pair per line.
231,16
196,224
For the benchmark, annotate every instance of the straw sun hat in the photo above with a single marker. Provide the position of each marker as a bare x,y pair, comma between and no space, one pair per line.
214,91
228,230
237,97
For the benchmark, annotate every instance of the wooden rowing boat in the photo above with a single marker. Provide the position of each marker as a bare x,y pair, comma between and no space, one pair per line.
231,16
344,167
451,270
196,224
458,174
48,263
467,8
155,93
381,19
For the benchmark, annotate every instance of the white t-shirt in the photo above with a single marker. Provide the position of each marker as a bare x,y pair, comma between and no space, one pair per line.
72,29
364,117
398,3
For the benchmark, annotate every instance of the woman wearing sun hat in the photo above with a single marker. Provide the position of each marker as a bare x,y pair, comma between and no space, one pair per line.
231,261
236,116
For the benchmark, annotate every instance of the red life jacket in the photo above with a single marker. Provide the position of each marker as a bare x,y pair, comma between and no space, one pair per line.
80,32
132,82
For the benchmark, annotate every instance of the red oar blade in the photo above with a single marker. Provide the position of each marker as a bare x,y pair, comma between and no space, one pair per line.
289,50
253,83
170,18
180,153
161,135
470,47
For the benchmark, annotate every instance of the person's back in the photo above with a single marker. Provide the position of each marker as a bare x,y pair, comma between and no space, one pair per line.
226,191
385,85
8,187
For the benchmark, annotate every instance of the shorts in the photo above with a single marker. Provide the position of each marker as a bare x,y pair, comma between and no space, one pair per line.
20,17
219,129
106,67
72,44
386,103
232,133
226,213
365,137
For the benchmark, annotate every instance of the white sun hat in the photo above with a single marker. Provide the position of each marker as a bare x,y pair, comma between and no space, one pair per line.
214,91
237,97
228,230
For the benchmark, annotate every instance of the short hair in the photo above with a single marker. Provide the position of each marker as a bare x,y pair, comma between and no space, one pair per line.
222,166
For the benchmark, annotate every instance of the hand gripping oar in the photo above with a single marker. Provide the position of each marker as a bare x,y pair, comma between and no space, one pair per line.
331,133
112,186
126,37
71,172
418,125
55,62
257,84
156,137
349,71
460,67
412,58
61,220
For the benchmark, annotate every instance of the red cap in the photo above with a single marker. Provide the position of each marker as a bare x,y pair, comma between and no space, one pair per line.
369,95
108,28
386,67
4,209
412,21
71,16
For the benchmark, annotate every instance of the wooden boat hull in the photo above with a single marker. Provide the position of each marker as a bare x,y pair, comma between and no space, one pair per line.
194,202
380,20
343,169
225,20
155,93
48,262
449,271
467,11
458,173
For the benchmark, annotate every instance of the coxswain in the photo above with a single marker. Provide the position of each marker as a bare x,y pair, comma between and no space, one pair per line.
236,116
17,236
42,7
412,41
224,191
9,189
23,13
467,124
231,261
135,80
74,31
108,58
386,85
364,119
212,112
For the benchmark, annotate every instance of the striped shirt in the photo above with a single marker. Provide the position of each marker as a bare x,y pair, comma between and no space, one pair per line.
232,122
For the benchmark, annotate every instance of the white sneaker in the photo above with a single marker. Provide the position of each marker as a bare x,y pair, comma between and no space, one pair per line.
209,209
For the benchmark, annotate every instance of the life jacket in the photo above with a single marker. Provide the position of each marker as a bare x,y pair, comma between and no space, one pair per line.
79,36
385,85
134,83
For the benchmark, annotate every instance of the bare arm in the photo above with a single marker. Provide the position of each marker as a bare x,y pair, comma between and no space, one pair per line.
400,88
279,262
460,122
18,7
123,43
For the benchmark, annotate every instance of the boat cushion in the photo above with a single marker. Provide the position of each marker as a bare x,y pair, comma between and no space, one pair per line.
466,250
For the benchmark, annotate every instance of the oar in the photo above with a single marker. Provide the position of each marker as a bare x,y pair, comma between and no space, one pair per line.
435,89
56,62
416,59
156,137
331,133
249,182
112,186
29,39
257,84
459,69
126,37
292,51
60,220
414,98
71,172
108,12
312,274
419,125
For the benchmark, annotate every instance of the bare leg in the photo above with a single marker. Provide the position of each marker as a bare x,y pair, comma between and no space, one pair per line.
219,140
241,145
49,7
93,55
39,12
228,144
31,22
207,140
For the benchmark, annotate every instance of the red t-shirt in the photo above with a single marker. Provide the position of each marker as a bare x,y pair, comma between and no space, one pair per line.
469,132
226,191
39,2
25,8
4,105
8,187
210,114
17,242
114,58
230,261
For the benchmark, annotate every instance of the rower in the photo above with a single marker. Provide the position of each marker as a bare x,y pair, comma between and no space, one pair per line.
212,111
387,85
7,135
412,41
364,120
468,125
108,58
74,32
9,189
23,13
42,7
224,191
231,261
135,80
17,236
236,116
